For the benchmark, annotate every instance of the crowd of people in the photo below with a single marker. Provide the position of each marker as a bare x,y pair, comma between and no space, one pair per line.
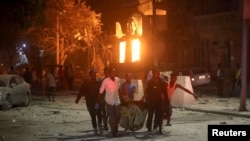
222,76
49,79
105,96
109,94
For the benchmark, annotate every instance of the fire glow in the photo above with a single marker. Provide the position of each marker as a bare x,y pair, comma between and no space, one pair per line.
135,51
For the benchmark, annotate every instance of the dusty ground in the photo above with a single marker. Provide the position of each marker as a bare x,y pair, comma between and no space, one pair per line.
43,115
64,120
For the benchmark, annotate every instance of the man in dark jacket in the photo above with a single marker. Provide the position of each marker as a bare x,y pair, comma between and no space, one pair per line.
90,89
155,95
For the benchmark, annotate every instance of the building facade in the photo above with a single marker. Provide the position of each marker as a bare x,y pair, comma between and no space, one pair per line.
192,33
203,33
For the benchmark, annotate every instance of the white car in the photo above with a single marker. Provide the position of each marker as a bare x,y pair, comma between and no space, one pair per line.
14,90
198,76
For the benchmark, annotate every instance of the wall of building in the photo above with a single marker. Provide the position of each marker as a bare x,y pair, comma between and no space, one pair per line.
205,33
221,34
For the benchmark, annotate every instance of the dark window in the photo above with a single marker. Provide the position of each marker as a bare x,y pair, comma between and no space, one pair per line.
199,71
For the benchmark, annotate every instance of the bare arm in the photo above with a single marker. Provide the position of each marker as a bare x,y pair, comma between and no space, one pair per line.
80,93
186,90
98,97
101,91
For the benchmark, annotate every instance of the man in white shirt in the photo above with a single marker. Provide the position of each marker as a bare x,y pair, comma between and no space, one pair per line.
111,85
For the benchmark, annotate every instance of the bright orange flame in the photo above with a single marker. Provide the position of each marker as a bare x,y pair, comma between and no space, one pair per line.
122,52
136,50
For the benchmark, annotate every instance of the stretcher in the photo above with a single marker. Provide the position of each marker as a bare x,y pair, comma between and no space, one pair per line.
133,115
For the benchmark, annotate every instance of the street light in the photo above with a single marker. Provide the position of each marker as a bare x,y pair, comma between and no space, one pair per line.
22,58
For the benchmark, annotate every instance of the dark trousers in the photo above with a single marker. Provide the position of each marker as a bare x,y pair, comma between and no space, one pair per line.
70,82
220,88
114,113
104,115
35,85
51,92
157,113
61,83
95,114
236,82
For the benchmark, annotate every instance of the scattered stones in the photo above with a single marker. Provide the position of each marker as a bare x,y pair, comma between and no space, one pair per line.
222,100
56,112
223,122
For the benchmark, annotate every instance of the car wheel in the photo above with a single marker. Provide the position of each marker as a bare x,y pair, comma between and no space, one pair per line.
8,104
26,100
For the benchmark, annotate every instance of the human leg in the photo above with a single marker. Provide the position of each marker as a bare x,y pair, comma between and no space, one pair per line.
149,119
234,83
160,125
93,119
220,88
71,80
112,119
168,121
99,118
117,117
104,117
169,114
240,83
158,119
53,93
49,92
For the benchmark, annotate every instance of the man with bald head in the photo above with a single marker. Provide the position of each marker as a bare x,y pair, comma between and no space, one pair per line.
128,88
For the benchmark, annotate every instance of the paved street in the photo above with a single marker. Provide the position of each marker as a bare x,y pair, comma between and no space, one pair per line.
64,120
